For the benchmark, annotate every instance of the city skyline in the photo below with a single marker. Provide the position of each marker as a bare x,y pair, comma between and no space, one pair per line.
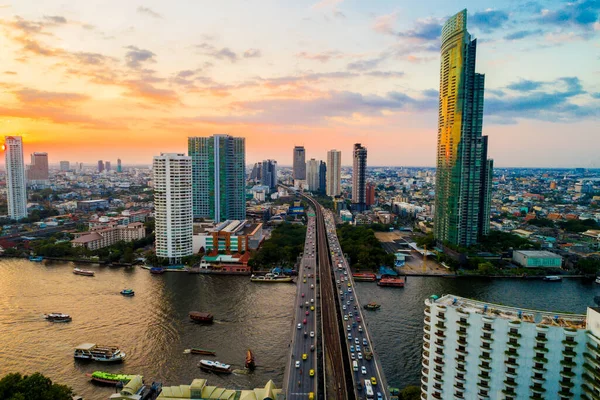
125,87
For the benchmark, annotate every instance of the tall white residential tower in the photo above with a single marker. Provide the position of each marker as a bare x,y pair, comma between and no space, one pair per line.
15,177
334,173
173,206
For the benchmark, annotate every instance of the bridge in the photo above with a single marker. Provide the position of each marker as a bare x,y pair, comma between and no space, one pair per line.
343,369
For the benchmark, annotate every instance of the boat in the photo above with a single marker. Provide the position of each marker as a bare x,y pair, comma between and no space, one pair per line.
102,353
552,278
127,292
364,277
372,306
597,279
58,317
198,316
250,360
391,282
271,278
215,366
157,270
36,258
110,379
197,350
84,272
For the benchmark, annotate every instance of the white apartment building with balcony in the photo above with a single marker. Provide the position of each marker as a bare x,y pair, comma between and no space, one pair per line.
173,218
481,351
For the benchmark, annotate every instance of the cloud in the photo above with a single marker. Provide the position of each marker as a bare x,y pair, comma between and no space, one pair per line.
136,56
252,53
582,13
83,57
364,65
321,57
489,20
58,115
145,91
385,74
326,4
525,85
339,14
523,34
40,97
385,23
55,19
222,54
10,73
147,11
595,95
425,30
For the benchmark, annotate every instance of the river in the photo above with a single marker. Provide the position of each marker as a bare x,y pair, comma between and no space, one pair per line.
153,327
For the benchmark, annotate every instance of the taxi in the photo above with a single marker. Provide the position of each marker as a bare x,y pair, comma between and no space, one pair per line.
311,372
373,381
312,308
305,356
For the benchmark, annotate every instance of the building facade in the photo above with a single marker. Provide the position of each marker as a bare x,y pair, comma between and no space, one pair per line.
119,166
100,166
172,174
37,171
322,176
107,166
15,177
299,167
312,174
537,259
370,196
476,350
334,173
268,174
218,177
104,236
65,166
464,174
359,174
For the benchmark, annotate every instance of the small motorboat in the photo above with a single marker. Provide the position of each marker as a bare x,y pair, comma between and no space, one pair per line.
127,292
58,317
597,279
553,278
372,306
157,270
198,316
36,258
110,379
79,271
215,366
197,350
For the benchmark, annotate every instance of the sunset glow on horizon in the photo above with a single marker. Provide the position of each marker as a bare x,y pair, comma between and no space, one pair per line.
94,80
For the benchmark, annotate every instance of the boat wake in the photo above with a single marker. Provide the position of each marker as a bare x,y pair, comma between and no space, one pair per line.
241,371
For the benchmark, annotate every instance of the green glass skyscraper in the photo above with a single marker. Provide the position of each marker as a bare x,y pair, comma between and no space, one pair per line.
464,174
218,177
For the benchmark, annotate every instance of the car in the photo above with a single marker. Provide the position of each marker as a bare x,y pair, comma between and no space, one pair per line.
311,372
356,341
302,294
312,308
338,281
350,291
304,356
344,307
304,276
352,356
358,319
349,315
373,381
306,303
363,370
360,328
351,298
304,281
379,396
312,347
355,312
345,318
355,306
348,328
312,300
349,336
357,347
307,313
305,333
360,356
349,284
312,286
312,334
304,322
299,326
297,364
365,343
351,349
342,292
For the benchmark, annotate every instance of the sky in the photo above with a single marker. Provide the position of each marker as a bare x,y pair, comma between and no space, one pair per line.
89,80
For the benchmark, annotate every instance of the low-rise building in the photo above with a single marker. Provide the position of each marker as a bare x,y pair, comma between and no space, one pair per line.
537,259
103,236
231,236
92,205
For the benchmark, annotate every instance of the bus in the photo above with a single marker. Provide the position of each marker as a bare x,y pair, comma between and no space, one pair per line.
368,389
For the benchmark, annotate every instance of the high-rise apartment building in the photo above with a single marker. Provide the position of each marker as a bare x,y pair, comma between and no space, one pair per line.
477,350
256,173
370,196
119,166
15,177
65,166
359,176
37,171
100,166
464,174
299,167
218,177
334,173
322,176
172,174
107,166
268,174
312,174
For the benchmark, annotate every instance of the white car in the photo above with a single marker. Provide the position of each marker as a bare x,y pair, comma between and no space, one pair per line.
297,364
363,370
348,328
350,289
312,300
360,356
357,348
349,337
312,334
299,326
352,356
345,318
344,307
365,343
356,341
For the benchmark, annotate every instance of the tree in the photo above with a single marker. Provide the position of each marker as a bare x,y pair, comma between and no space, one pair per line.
34,387
588,265
410,393
485,268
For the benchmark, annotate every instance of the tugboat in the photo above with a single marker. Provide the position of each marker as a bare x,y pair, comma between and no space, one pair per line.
58,317
250,360
128,292
110,379
391,282
79,271
91,351
215,366
372,306
364,277
157,270
198,316
271,278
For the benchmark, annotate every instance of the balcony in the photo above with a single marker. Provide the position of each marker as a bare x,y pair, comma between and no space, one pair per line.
511,374
437,380
541,328
565,394
537,389
512,345
488,318
426,337
462,313
425,371
483,367
427,320
567,374
462,352
463,324
439,362
510,383
427,328
568,353
426,346
515,323
441,317
460,362
570,343
539,369
511,363
542,360
425,363
457,379
538,379
461,333
487,329
427,312
540,349
486,339
440,326
514,335
541,339
424,380
566,384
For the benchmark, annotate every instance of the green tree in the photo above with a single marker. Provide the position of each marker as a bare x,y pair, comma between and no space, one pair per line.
33,387
485,268
410,393
588,265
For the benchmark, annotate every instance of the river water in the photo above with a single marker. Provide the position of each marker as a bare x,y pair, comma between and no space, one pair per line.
153,327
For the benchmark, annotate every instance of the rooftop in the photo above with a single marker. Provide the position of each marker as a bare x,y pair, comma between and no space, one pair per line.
537,253
576,321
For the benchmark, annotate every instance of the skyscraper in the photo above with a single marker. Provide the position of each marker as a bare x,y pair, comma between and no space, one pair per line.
334,173
65,166
100,166
463,177
172,174
268,175
299,168
15,177
312,174
256,174
218,177
37,172
370,196
359,171
107,166
119,167
322,176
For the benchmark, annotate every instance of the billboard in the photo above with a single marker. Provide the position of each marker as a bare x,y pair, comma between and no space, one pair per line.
296,210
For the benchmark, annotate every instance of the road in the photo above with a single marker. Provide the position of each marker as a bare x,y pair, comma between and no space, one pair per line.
358,341
298,380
